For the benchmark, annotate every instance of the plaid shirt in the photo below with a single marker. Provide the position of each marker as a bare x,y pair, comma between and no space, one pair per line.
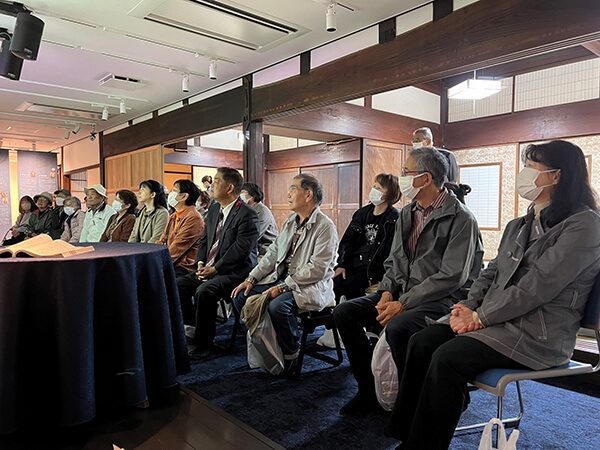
420,216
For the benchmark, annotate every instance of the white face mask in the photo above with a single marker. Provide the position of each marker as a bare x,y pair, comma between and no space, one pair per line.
117,206
26,206
406,186
60,201
376,197
417,144
525,183
172,198
69,210
245,198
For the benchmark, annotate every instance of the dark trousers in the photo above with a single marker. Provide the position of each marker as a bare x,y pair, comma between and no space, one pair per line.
403,326
353,316
433,389
283,311
352,287
203,313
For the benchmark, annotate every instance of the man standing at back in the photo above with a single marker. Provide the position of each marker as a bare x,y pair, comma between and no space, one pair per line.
423,137
227,253
435,254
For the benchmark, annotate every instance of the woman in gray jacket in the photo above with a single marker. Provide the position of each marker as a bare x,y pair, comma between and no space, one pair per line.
524,310
151,222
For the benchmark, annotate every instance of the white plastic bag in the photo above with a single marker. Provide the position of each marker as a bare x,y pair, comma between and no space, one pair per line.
327,340
503,444
263,349
385,373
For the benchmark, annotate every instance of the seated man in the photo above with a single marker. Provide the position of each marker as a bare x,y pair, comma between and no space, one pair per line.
97,215
253,195
226,254
298,267
435,253
185,226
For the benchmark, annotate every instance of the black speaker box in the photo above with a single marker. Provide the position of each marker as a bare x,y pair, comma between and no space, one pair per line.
10,65
27,36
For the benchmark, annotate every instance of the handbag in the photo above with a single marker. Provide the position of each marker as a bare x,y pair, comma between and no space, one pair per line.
385,373
503,444
263,349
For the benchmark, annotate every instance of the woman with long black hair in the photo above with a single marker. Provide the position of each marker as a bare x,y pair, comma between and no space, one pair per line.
524,310
154,215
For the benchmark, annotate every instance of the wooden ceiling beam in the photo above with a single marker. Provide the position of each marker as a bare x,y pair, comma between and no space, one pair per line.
356,121
483,34
593,46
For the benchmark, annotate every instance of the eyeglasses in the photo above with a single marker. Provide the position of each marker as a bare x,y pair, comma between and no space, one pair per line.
405,172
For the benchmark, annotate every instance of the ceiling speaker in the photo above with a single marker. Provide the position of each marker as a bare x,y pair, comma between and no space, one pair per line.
27,36
10,65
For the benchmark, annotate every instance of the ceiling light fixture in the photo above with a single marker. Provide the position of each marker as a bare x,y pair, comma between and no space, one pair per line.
475,89
93,133
33,146
212,69
67,134
77,128
185,83
122,108
330,18
105,113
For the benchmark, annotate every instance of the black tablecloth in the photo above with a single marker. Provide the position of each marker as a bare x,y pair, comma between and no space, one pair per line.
78,332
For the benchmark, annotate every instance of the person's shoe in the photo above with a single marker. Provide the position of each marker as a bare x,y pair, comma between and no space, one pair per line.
361,404
199,353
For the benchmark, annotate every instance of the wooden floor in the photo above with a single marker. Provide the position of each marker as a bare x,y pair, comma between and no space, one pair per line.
188,423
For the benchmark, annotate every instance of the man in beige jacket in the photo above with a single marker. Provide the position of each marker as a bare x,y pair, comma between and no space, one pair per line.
297,269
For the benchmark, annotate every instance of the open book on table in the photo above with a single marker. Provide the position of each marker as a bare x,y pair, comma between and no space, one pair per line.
43,246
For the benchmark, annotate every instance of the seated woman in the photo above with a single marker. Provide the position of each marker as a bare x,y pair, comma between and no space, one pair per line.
44,220
524,310
153,217
26,207
120,225
203,203
254,195
367,241
74,222
185,226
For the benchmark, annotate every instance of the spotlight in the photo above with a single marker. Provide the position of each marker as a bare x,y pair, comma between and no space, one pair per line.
10,65
77,128
27,36
212,69
185,83
330,18
122,108
67,134
33,146
93,133
105,113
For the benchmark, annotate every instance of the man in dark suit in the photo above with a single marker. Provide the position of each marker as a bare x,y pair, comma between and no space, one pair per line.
227,253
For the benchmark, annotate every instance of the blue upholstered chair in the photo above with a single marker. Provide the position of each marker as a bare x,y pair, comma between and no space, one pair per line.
495,381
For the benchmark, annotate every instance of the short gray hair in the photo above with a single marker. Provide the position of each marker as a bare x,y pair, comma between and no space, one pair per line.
426,131
312,183
428,159
74,200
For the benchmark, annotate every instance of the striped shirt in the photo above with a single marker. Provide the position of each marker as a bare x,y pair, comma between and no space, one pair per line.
419,217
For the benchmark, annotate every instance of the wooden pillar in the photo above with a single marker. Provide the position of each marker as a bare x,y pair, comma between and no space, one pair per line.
254,158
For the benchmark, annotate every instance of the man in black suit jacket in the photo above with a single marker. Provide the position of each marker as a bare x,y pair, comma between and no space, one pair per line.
227,253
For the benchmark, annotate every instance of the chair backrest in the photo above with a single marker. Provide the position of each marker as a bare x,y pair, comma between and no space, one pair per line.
591,314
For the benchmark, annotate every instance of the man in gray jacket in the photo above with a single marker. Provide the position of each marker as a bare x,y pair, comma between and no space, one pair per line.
297,270
435,255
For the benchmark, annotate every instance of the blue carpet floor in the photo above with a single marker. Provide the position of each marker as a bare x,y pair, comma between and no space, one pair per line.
304,413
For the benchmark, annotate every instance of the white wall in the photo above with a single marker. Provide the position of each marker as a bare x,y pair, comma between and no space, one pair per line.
83,153
410,102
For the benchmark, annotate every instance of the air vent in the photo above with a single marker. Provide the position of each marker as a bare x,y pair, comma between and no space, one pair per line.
121,82
243,27
58,111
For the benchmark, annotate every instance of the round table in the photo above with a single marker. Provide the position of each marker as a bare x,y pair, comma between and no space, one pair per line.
104,326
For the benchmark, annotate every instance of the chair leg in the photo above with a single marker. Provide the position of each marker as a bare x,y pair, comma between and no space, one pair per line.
513,422
302,350
338,346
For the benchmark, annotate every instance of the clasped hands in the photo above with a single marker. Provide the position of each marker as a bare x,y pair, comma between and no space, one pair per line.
461,320
205,272
388,308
